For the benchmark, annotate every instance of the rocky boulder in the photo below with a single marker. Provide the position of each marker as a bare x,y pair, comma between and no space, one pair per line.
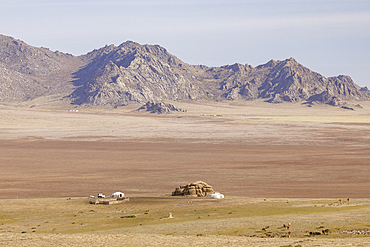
197,189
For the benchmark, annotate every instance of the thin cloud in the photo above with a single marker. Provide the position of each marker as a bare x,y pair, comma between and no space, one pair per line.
344,19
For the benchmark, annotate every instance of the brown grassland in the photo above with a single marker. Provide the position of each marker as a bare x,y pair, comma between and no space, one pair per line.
276,164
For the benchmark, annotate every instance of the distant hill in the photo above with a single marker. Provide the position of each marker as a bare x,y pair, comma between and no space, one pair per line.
134,73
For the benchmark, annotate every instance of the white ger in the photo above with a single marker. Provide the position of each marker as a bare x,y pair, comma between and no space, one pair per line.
217,196
117,194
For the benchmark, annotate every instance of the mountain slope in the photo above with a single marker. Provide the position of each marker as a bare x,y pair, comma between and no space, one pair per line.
134,73
28,72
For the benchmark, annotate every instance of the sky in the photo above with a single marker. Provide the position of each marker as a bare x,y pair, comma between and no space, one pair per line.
331,37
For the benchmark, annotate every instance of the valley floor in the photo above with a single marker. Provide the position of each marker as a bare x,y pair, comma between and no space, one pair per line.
251,152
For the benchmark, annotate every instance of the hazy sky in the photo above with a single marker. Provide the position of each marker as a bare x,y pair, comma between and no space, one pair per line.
331,37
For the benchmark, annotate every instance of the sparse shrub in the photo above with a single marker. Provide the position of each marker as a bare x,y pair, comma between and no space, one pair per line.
129,216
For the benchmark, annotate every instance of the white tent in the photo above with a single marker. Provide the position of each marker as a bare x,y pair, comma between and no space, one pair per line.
217,196
118,194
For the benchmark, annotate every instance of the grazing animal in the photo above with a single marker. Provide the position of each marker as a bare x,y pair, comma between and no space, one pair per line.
263,229
287,226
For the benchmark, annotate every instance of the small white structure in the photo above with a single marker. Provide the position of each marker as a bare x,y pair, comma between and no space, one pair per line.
117,194
170,215
217,196
100,195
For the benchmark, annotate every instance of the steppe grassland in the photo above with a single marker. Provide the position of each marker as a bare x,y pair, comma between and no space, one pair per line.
235,216
235,219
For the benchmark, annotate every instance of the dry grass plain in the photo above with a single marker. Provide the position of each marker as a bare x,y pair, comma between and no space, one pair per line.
274,163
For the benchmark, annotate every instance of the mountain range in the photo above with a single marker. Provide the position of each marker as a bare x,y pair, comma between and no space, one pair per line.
133,73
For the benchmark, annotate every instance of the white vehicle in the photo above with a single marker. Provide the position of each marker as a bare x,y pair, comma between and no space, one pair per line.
100,195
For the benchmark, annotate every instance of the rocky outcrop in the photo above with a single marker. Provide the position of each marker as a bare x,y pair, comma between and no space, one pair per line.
197,189
325,98
159,108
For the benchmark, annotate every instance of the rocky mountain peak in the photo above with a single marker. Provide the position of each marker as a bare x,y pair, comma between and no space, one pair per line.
135,73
